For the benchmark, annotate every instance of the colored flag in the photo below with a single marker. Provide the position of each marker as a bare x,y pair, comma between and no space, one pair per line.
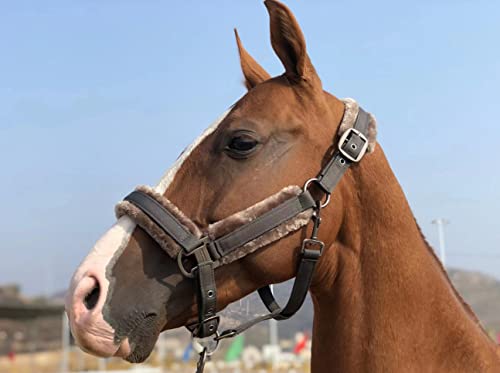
186,355
301,344
236,348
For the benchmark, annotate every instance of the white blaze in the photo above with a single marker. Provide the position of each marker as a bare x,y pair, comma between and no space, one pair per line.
125,224
117,238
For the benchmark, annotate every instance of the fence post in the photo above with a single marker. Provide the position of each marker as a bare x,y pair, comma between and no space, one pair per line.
65,344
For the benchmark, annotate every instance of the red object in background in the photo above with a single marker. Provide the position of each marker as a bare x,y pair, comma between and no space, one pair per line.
11,355
498,338
301,344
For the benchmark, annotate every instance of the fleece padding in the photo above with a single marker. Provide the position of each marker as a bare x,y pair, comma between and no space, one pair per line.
238,219
219,228
350,114
143,221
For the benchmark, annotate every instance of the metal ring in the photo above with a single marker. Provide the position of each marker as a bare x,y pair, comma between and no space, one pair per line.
328,195
181,266
201,342
308,182
324,204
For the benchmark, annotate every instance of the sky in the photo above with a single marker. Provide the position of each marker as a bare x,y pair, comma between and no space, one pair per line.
98,97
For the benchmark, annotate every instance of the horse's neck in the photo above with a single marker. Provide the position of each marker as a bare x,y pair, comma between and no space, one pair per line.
388,306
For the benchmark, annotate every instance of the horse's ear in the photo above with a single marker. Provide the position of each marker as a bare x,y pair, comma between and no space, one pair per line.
252,71
289,44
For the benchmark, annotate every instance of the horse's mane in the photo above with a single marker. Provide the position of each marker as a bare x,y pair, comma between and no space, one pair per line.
466,306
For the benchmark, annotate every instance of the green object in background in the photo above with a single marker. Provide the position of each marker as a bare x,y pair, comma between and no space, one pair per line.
236,348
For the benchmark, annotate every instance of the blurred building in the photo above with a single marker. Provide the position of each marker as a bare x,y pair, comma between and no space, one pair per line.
28,325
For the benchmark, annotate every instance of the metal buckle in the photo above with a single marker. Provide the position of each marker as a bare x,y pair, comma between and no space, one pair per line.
212,331
344,139
312,248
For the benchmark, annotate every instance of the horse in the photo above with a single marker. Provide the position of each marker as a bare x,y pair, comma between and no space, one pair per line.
382,300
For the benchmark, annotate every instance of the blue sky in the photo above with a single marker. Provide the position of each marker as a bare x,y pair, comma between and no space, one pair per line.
97,97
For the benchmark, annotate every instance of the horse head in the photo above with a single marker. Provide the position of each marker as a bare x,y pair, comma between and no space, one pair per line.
278,135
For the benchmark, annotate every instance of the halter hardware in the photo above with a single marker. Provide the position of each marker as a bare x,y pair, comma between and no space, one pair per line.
312,248
328,195
209,252
353,145
203,244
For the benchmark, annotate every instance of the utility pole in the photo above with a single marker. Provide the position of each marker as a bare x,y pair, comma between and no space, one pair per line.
273,337
441,223
273,328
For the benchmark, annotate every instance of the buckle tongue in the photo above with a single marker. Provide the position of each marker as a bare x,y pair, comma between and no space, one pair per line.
353,145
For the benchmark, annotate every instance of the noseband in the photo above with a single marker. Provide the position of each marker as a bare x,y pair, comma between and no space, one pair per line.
263,223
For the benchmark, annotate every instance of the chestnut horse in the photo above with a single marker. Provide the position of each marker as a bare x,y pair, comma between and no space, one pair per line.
382,301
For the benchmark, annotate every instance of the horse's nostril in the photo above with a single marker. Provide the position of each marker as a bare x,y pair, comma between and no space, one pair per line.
91,299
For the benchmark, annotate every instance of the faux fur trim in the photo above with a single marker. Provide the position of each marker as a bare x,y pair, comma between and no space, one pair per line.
241,218
163,239
274,235
229,224
221,227
350,115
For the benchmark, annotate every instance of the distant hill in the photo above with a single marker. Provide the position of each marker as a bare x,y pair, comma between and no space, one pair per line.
482,293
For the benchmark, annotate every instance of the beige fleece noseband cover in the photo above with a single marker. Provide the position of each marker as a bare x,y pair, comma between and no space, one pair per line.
221,227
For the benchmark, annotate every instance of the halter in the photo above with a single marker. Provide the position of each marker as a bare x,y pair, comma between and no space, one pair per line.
267,221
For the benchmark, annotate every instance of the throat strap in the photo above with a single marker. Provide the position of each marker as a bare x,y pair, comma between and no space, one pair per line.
311,251
297,297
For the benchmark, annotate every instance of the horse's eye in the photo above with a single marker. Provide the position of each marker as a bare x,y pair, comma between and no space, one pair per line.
241,145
